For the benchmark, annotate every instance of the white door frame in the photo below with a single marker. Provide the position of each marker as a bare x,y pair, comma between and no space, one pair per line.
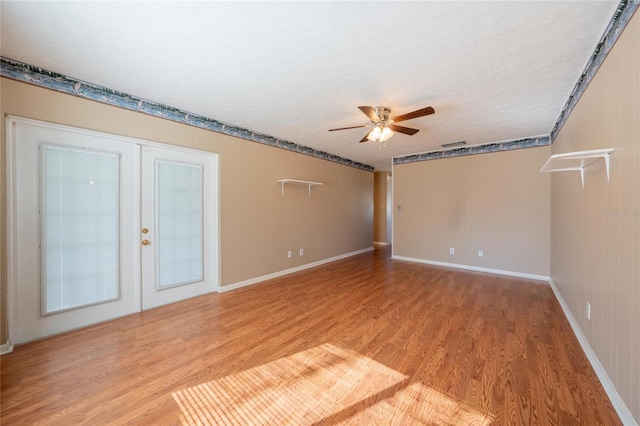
11,189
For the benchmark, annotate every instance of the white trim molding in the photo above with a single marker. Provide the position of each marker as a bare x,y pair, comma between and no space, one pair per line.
618,404
473,268
262,278
12,234
6,348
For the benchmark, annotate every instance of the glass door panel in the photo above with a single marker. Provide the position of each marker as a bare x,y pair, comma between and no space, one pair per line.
80,228
179,223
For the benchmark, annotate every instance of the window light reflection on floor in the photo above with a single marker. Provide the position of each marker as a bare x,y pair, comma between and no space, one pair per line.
322,384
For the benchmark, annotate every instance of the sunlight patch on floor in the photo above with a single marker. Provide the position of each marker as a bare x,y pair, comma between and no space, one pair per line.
420,405
321,383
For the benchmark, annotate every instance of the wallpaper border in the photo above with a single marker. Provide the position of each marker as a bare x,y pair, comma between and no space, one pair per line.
531,142
618,22
50,80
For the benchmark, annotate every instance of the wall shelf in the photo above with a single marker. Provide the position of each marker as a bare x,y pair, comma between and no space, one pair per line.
577,161
297,181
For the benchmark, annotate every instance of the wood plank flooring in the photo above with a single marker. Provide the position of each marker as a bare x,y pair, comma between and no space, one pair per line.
365,340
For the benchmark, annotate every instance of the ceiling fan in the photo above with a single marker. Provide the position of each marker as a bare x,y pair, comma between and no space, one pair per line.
383,126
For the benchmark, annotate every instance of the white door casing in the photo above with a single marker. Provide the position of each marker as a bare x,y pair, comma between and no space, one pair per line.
40,157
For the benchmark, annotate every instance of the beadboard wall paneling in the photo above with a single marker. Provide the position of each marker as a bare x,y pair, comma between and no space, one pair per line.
595,231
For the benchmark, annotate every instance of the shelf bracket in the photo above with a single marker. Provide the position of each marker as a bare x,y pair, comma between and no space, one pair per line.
302,182
577,161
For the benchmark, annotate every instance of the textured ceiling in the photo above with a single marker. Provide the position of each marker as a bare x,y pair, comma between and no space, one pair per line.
493,71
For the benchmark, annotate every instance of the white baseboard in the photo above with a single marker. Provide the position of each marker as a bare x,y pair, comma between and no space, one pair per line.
256,280
474,268
618,404
380,243
6,348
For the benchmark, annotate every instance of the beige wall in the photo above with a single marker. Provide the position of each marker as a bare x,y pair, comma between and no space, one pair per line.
257,224
595,257
497,203
380,192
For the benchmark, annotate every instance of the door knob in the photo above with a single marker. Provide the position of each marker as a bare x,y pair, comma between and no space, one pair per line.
146,242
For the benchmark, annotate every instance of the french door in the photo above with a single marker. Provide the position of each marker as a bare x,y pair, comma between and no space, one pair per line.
102,226
178,213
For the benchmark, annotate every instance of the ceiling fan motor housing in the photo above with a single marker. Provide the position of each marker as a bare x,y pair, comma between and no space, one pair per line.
383,113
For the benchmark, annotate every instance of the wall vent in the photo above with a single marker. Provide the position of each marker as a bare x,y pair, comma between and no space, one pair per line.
453,144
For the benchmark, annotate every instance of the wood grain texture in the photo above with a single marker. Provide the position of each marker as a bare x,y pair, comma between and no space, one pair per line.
365,340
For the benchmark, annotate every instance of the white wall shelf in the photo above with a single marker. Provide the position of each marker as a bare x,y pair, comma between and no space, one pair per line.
296,181
577,161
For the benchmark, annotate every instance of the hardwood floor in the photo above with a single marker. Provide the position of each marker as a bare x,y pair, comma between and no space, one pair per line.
365,340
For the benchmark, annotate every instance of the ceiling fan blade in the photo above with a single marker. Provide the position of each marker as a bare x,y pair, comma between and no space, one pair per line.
405,130
415,114
369,112
366,138
345,128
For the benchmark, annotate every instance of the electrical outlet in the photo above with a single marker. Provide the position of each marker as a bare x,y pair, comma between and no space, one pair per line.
588,311
289,254
301,252
452,251
480,253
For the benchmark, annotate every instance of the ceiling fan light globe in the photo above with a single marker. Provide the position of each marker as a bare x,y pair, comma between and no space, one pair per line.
386,134
375,134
